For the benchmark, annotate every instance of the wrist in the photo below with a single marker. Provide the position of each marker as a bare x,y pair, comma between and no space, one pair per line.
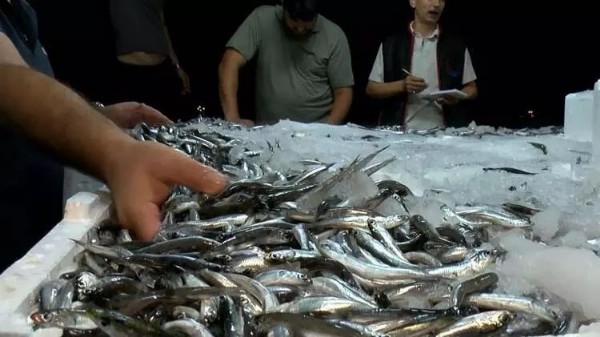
232,117
115,148
402,86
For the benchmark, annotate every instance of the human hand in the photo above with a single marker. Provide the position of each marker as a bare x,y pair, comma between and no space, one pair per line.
129,114
185,80
245,122
414,84
447,100
141,175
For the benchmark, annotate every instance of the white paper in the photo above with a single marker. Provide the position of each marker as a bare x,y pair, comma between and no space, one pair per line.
453,92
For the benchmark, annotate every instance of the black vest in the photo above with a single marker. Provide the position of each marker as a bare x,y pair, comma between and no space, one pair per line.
397,54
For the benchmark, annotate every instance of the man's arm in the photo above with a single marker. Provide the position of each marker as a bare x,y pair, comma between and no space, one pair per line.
229,70
376,87
471,90
385,90
9,53
341,79
240,48
342,101
56,116
125,118
140,174
469,77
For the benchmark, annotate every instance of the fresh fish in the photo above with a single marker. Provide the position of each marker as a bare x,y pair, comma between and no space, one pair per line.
479,324
277,253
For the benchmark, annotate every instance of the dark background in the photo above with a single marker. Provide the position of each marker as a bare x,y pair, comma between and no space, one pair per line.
527,54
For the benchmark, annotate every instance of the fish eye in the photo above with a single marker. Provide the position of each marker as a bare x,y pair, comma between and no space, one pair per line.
47,316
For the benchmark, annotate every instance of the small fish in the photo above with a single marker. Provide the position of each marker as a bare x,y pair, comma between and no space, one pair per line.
509,170
540,146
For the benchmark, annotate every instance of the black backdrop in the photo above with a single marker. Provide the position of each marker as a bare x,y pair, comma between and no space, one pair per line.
527,54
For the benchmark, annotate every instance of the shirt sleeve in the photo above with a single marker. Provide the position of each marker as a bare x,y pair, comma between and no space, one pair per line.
248,36
377,70
339,67
468,72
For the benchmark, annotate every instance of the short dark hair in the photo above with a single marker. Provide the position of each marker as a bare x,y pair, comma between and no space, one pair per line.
304,10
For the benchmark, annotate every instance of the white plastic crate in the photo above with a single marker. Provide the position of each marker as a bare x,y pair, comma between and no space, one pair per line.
51,256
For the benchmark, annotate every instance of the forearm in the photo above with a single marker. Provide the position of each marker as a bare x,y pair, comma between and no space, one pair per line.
471,90
341,105
228,88
385,90
56,117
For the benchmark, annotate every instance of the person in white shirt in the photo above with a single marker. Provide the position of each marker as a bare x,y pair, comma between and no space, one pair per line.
412,65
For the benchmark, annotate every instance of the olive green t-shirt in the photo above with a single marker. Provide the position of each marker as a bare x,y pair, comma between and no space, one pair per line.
295,77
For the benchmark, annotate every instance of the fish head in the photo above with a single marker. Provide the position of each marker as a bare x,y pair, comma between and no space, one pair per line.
484,259
503,318
372,224
283,236
303,278
279,256
43,319
85,280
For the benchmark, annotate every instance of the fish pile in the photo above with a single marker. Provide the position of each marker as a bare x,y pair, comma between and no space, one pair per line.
293,254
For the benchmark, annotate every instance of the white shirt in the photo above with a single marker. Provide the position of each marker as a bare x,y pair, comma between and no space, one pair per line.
423,114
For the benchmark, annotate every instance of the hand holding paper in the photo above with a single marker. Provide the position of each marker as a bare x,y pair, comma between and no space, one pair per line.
454,93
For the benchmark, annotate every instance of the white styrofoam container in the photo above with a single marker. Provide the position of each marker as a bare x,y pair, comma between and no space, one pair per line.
579,108
50,257
596,125
75,181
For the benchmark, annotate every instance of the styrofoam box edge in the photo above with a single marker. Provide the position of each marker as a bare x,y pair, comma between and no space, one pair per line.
51,256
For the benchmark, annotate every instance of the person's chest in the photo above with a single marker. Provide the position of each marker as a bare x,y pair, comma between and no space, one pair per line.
307,57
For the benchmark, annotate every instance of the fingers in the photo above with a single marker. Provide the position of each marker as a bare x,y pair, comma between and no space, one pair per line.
415,79
142,220
152,116
247,122
415,84
200,178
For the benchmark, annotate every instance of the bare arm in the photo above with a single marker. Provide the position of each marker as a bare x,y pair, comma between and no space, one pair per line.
140,174
9,53
471,90
385,90
229,70
342,101
58,117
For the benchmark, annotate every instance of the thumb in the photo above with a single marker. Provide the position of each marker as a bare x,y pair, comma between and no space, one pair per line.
142,220
198,177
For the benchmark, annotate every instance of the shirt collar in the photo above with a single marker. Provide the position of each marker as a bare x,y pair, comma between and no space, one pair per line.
433,35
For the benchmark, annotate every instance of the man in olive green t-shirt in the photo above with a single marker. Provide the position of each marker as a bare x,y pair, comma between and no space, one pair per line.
304,69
